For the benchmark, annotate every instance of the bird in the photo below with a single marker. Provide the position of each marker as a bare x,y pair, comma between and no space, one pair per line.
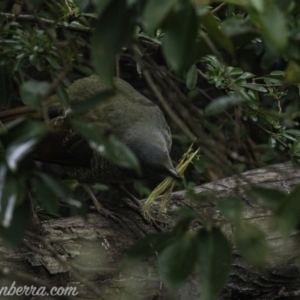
131,117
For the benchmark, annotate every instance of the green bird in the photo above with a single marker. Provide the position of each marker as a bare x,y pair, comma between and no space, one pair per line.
131,117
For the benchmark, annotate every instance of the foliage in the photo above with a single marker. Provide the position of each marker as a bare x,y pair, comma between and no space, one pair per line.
230,71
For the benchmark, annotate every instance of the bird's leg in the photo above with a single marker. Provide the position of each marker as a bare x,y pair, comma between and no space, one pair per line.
137,207
130,196
100,208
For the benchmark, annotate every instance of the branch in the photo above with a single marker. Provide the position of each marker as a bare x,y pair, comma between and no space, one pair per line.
31,18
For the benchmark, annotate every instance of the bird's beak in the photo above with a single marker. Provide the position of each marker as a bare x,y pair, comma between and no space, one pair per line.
173,173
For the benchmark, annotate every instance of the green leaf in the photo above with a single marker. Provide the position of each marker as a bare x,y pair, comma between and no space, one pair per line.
180,35
271,198
45,195
11,192
215,32
113,30
221,104
100,187
246,75
108,146
292,72
231,207
59,189
185,212
32,92
234,71
294,132
63,96
21,140
156,12
251,243
287,215
178,260
151,244
295,149
272,142
214,258
192,77
255,87
101,5
13,234
272,21
277,73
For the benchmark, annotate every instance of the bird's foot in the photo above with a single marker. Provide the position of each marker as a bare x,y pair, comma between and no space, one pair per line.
107,213
157,224
100,208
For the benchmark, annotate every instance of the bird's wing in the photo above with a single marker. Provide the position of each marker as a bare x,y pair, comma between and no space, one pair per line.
64,148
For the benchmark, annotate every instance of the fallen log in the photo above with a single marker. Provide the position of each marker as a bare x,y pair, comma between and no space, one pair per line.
85,254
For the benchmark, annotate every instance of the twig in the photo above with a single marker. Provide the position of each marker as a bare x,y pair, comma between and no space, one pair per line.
31,18
218,7
271,134
163,101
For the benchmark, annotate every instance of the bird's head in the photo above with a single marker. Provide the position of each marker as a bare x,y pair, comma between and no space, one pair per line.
157,159
153,154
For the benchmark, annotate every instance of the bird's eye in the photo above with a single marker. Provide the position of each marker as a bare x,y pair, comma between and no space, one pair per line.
166,151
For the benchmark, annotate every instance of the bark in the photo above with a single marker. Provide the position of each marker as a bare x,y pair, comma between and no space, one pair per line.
87,253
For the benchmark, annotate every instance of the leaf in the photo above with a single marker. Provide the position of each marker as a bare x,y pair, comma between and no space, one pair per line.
100,187
231,208
113,29
155,13
294,132
271,198
251,243
180,35
292,72
150,244
255,87
13,234
246,75
272,142
272,21
9,194
101,5
287,215
215,32
235,27
295,149
214,258
234,71
192,77
59,189
63,95
32,92
108,146
277,73
221,104
178,261
45,195
21,140
185,212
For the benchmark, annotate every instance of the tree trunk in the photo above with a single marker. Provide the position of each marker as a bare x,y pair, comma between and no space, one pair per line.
86,253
